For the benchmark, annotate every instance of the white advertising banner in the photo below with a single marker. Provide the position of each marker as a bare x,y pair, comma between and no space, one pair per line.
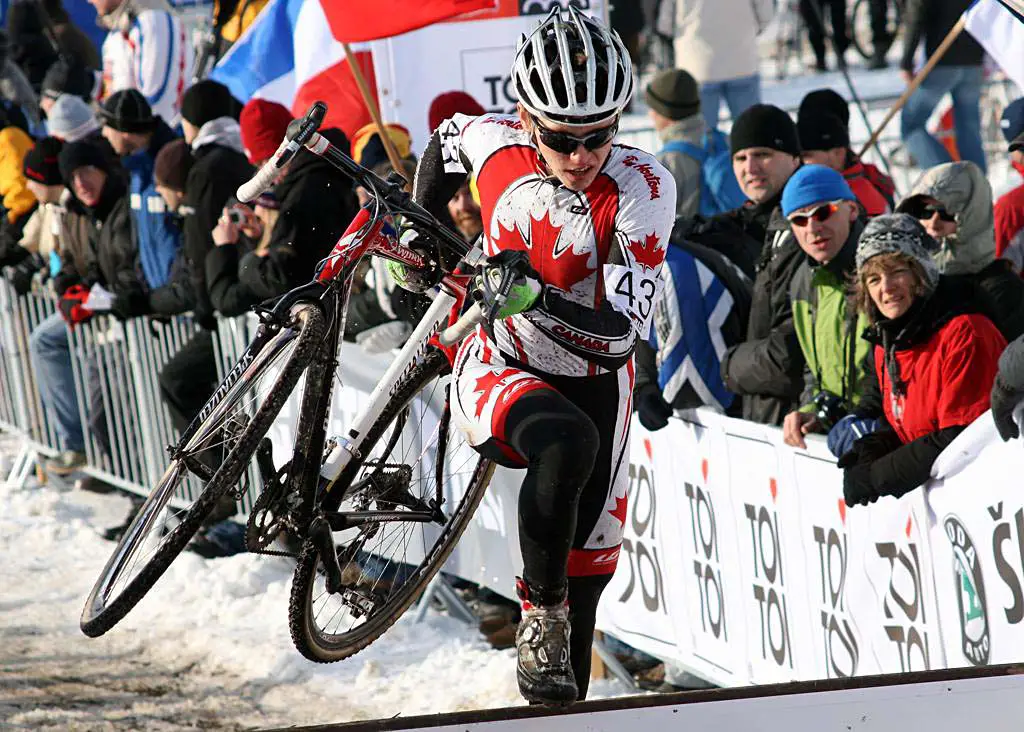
765,509
714,593
978,544
793,584
891,591
836,642
639,602
473,55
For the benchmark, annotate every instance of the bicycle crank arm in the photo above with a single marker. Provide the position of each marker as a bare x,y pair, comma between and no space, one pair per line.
320,533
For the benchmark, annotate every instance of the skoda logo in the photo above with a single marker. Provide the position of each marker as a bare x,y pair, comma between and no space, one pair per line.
974,630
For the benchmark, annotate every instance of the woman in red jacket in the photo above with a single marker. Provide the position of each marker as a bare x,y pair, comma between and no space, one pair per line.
935,357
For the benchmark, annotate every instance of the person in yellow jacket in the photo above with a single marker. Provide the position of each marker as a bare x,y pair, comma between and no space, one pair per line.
18,201
17,198
234,16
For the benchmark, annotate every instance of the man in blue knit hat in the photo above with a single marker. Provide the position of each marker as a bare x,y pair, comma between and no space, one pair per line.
824,217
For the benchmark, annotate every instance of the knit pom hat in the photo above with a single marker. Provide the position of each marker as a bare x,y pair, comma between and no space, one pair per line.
263,126
41,162
899,234
208,100
821,130
71,118
764,125
172,165
128,111
813,184
673,93
447,105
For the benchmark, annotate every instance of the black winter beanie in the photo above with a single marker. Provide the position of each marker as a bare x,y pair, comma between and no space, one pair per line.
825,100
128,111
764,125
78,154
208,100
820,130
41,162
65,78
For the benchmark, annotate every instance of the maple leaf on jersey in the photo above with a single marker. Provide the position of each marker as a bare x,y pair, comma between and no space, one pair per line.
559,265
619,512
646,252
485,385
510,239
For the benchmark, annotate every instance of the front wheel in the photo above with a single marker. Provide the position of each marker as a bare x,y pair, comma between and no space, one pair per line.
386,560
208,462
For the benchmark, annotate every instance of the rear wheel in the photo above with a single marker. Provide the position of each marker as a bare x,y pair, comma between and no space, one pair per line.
387,560
193,486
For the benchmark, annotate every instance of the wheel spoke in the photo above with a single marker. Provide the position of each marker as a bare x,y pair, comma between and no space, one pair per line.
391,561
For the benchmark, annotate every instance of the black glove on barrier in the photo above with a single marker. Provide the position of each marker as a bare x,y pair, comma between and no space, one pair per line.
1004,401
651,408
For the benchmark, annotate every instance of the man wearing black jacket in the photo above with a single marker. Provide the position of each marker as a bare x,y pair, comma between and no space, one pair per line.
766,369
209,119
317,204
101,190
218,167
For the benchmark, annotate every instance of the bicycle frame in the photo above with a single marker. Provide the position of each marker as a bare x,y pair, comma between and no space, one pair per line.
371,233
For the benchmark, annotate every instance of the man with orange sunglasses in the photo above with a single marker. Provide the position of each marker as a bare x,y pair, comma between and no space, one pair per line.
824,216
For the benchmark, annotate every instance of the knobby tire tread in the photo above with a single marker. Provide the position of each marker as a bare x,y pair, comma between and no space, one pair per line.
299,606
226,476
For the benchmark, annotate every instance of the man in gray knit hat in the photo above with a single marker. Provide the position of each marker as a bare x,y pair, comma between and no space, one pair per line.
697,157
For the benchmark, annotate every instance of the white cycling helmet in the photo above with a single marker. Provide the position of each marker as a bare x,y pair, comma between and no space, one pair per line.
572,70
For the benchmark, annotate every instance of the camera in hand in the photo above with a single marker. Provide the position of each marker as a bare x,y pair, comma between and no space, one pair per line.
829,408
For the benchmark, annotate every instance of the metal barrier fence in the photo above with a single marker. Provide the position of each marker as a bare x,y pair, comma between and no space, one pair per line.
116,367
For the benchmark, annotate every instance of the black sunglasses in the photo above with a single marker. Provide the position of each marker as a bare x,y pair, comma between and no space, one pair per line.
924,211
820,214
566,144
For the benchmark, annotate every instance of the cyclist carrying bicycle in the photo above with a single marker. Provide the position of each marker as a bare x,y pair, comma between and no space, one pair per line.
547,385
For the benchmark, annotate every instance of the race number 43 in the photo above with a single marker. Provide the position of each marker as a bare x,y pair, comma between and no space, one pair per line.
633,291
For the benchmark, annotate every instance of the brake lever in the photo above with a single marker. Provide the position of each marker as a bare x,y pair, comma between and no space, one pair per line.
497,296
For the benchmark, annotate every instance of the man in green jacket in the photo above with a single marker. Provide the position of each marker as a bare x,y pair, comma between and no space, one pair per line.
823,214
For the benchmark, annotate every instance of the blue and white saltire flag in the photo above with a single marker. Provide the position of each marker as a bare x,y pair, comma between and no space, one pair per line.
998,25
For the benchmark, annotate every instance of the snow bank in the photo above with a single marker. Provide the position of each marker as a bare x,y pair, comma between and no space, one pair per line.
226,619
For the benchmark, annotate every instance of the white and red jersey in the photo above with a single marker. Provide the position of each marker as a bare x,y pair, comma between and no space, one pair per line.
154,55
593,249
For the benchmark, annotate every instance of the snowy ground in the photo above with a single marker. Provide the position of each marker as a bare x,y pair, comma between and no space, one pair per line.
208,647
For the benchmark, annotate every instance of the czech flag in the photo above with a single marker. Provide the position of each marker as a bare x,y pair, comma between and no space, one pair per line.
292,53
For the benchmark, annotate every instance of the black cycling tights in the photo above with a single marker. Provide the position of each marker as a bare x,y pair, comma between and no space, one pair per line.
559,434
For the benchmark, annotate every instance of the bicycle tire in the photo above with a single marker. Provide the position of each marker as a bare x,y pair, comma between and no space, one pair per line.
101,612
860,19
308,638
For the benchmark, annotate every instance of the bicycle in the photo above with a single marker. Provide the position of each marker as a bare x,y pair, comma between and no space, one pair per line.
861,35
378,510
